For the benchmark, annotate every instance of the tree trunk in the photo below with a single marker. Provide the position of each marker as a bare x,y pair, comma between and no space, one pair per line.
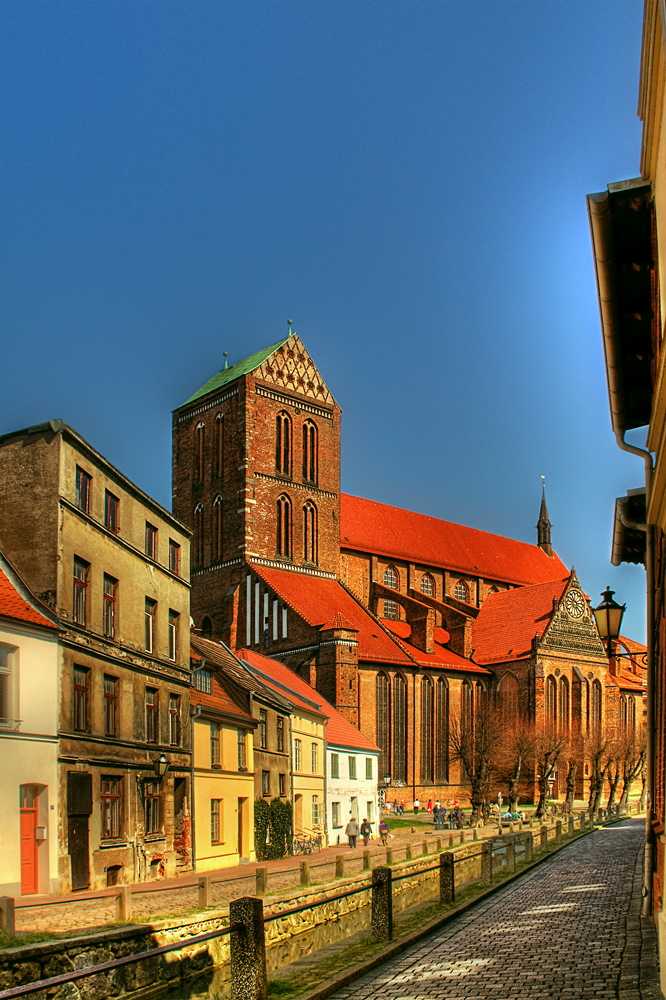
543,793
571,784
514,784
644,794
626,789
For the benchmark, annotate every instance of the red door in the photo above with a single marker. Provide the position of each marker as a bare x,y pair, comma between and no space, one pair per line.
29,880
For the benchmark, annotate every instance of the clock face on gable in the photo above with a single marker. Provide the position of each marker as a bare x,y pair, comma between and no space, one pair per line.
574,602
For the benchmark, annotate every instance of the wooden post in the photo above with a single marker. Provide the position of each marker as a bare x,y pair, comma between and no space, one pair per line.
204,891
249,980
382,904
447,882
124,903
261,880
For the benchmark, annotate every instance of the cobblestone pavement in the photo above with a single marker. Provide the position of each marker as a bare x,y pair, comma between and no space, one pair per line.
569,929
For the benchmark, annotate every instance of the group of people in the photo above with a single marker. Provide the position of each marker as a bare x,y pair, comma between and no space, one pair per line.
352,831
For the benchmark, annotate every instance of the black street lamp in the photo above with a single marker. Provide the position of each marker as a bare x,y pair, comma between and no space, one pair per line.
608,616
161,766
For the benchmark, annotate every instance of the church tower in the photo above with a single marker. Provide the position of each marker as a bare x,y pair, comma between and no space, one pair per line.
256,476
543,526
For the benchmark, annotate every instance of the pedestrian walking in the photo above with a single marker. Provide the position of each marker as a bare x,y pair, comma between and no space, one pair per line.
383,832
402,806
416,807
435,816
366,832
351,831
429,807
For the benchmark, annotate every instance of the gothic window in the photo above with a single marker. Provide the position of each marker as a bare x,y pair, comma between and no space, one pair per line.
442,732
551,700
631,715
595,708
391,580
284,526
427,585
427,730
383,712
467,720
461,591
218,459
217,528
283,444
564,703
399,690
310,540
310,452
623,712
199,452
198,540
509,697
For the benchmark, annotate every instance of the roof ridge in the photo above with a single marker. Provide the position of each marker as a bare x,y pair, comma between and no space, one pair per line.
242,367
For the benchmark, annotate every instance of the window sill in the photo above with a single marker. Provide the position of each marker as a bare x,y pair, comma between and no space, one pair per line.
111,843
216,767
152,838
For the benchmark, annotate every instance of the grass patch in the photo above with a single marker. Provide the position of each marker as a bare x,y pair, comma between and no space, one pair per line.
26,937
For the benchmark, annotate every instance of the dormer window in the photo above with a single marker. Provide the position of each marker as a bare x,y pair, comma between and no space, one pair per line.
461,591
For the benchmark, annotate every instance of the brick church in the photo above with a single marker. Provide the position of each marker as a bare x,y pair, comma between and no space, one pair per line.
400,620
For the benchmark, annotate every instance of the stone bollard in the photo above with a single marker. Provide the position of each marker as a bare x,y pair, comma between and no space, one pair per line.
558,831
261,880
366,860
512,828
487,862
544,838
389,855
339,866
425,848
571,826
248,950
447,882
450,840
382,904
7,919
510,843
408,852
124,903
204,891
305,872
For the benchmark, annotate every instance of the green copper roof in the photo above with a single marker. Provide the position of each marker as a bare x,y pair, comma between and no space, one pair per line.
240,368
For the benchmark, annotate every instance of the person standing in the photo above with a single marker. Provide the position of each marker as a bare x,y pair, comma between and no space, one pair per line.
416,807
366,832
383,831
352,831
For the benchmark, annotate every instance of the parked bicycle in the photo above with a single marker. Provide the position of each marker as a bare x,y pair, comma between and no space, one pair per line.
305,843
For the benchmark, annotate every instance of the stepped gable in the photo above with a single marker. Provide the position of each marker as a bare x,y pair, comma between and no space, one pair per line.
509,620
368,526
17,602
285,365
318,599
441,658
339,732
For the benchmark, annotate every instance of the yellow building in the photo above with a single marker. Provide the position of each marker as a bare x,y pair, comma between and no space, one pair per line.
223,763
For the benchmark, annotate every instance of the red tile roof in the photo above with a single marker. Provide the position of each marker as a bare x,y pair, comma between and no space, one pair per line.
318,600
17,602
509,620
441,658
368,526
339,732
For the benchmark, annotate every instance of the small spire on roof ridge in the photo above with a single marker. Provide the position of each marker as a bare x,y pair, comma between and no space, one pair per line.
225,355
543,524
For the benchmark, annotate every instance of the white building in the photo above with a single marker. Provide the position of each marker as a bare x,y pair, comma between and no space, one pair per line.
352,763
29,666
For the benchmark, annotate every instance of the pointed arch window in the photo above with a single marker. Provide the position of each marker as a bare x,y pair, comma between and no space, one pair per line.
509,697
551,700
631,715
564,704
461,591
623,713
391,580
399,691
198,540
383,716
284,526
199,451
428,585
595,708
283,444
467,723
310,539
427,730
310,452
442,731
218,460
218,528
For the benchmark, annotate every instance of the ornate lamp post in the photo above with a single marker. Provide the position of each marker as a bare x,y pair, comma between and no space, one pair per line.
608,616
161,766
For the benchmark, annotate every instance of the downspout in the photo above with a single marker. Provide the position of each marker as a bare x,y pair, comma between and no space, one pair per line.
413,736
650,742
195,715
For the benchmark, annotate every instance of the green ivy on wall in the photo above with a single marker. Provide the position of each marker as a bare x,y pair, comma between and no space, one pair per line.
273,829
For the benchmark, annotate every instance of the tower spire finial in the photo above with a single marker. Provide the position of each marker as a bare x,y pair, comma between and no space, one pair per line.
225,355
543,524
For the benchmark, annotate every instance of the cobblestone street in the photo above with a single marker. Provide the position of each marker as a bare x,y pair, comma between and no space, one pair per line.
569,929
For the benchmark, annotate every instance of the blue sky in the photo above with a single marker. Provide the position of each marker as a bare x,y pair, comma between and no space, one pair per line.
405,180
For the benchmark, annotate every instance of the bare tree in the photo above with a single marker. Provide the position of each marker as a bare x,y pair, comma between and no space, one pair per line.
515,752
548,746
599,748
632,766
475,742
